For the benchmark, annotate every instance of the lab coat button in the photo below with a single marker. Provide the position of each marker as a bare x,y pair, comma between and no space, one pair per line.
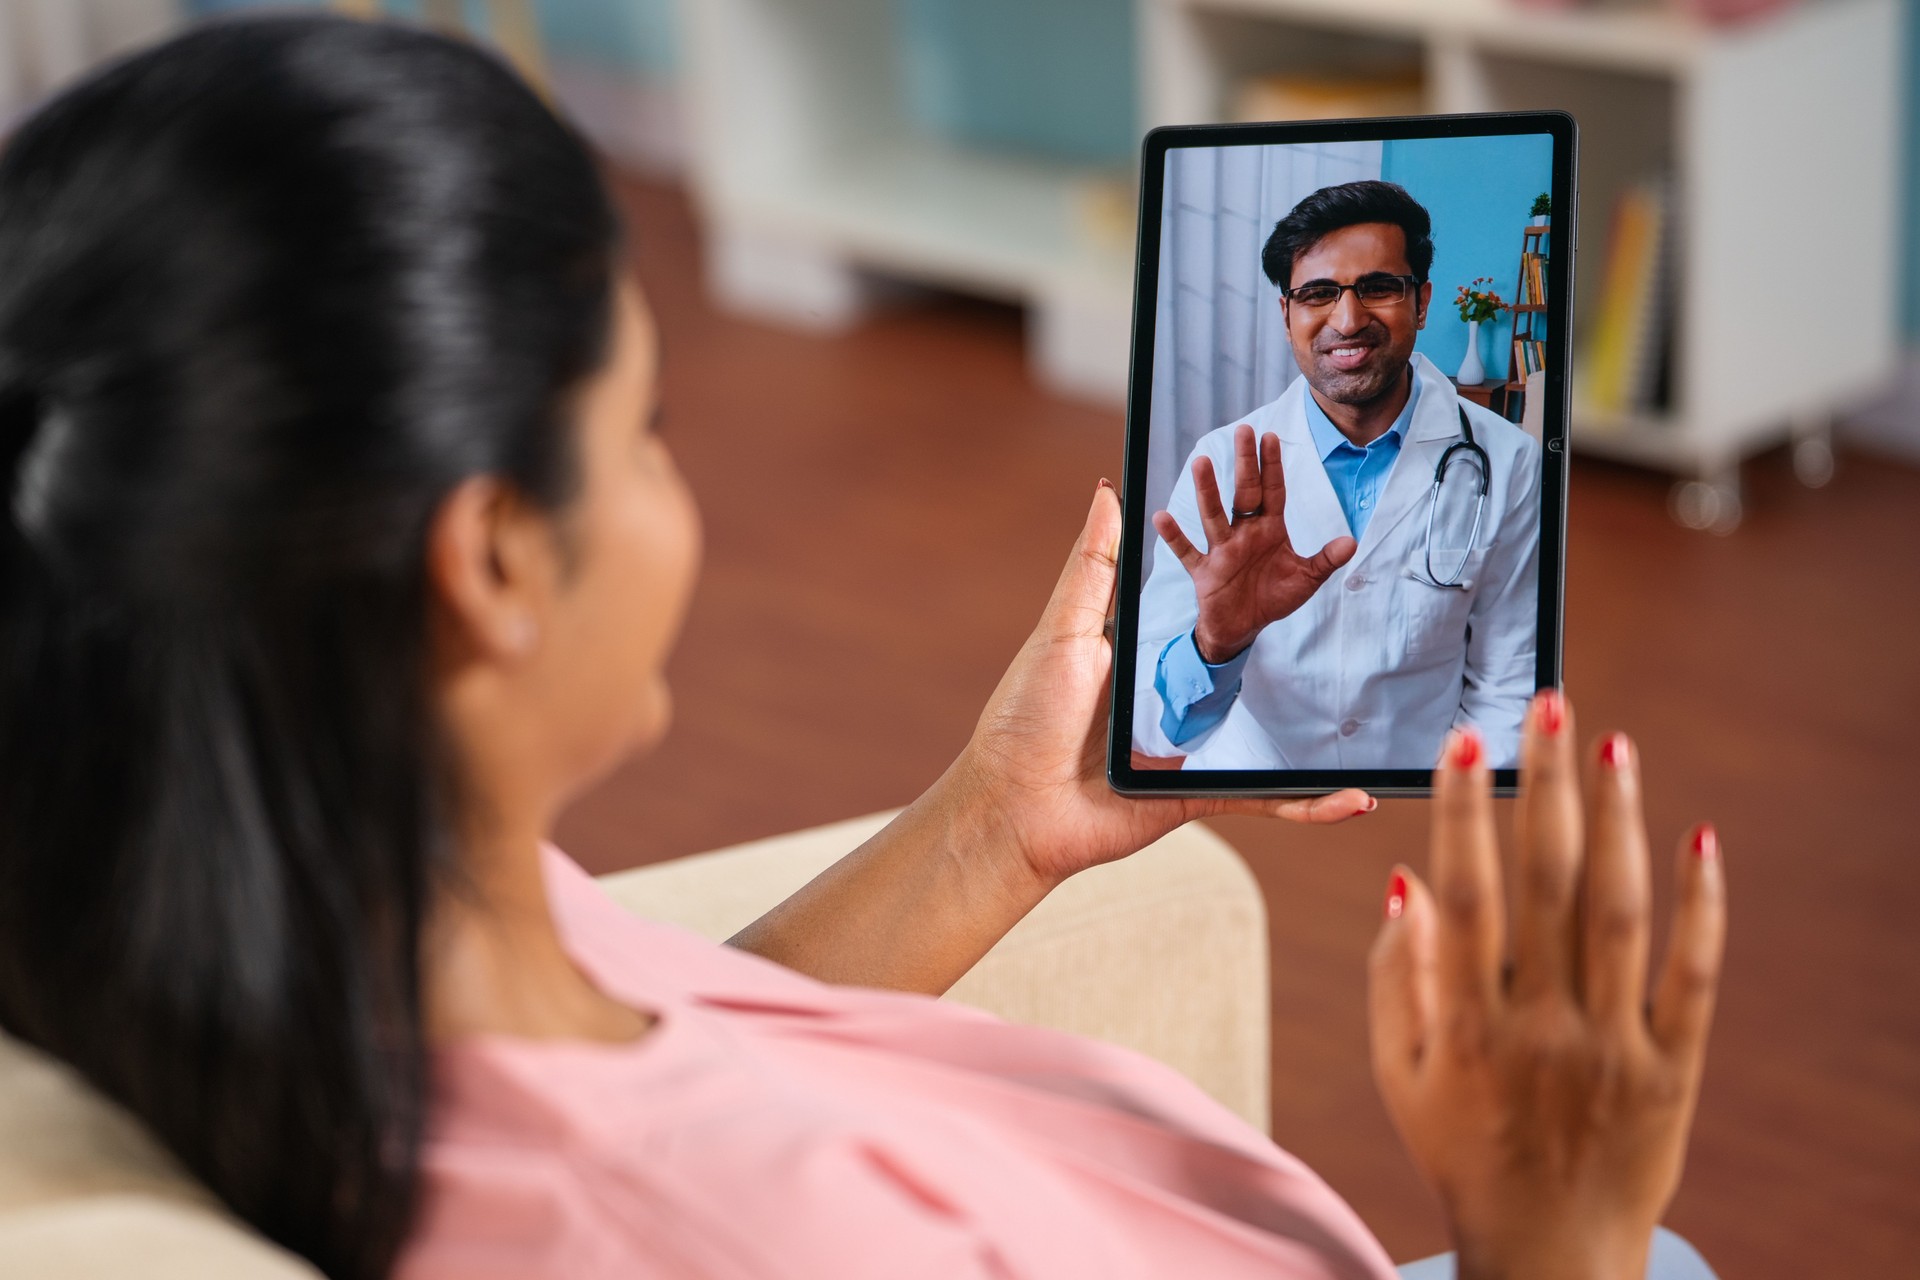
1349,727
1356,582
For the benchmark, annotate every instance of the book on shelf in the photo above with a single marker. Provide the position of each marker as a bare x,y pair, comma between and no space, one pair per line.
1623,349
1306,96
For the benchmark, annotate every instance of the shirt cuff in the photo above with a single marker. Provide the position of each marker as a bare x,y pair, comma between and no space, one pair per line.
1195,694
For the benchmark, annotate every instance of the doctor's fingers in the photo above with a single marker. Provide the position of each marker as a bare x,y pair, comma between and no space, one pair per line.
1246,470
1206,495
1170,533
1273,480
1465,873
1545,867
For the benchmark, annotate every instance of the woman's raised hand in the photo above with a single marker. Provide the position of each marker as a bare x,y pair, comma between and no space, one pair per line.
1541,1094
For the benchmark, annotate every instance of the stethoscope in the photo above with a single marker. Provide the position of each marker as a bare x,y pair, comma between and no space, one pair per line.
1479,459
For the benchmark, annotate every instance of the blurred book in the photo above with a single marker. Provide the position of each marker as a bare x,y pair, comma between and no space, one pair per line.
1302,96
1619,369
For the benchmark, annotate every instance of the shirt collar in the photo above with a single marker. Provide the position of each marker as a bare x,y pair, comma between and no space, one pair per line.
1327,437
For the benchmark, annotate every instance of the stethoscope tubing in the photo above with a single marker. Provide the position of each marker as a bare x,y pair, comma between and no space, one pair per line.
1481,462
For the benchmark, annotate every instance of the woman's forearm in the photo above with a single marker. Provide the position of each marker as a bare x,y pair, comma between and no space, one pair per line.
916,906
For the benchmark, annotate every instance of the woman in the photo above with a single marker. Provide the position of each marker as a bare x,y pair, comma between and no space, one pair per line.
339,555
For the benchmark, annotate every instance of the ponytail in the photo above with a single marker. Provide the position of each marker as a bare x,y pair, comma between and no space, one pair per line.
290,280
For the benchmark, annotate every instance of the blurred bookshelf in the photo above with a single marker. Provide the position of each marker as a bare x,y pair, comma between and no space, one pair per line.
1770,137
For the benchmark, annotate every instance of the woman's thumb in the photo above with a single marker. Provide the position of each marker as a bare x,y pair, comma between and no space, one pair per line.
1085,590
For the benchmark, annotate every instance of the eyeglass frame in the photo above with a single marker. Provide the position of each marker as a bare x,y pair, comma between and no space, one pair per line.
1411,282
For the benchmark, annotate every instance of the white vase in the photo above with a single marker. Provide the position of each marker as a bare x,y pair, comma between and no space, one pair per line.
1471,372
1540,219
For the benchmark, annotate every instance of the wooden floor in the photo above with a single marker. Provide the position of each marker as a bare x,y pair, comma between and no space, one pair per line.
886,512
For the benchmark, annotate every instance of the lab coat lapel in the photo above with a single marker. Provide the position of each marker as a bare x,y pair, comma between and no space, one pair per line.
1435,425
1314,517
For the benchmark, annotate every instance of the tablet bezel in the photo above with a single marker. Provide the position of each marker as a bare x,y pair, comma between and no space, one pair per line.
1121,774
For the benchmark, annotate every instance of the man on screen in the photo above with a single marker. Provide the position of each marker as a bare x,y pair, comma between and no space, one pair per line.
1343,611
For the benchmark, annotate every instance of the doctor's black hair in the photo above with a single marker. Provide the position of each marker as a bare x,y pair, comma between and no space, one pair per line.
268,293
1348,205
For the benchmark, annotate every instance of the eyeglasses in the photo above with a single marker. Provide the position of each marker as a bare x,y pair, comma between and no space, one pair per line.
1380,290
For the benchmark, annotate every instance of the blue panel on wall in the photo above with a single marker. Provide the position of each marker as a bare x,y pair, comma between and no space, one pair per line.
1479,192
1054,78
626,35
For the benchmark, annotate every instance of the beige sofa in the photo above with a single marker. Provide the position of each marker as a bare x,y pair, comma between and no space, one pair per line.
1165,952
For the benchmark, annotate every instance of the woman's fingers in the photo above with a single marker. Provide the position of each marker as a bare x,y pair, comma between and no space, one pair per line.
1206,494
1615,954
1683,1002
1335,807
1466,877
1546,864
1401,983
1246,470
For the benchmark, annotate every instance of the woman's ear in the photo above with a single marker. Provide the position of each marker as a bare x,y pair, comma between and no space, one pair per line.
492,567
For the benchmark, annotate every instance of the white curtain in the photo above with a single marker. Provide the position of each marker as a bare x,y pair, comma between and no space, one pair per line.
1220,348
45,43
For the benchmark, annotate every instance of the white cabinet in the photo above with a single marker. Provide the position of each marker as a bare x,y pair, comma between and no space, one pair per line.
1783,141
813,181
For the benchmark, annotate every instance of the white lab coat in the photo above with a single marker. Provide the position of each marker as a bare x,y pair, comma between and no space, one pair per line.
1376,666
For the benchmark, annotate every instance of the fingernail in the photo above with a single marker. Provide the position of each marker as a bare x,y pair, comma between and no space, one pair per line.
1107,484
1553,711
1466,748
1372,804
1706,842
1396,895
1613,752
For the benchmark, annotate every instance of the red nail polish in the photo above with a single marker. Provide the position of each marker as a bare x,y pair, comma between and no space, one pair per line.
1706,842
1553,711
1613,752
1396,895
1466,749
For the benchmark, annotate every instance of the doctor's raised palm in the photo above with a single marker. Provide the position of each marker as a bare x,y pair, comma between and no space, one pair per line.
1250,575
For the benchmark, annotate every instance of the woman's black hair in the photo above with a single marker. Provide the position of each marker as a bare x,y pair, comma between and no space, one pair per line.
1348,205
268,292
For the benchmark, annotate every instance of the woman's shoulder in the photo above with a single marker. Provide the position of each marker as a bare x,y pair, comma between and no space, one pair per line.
648,962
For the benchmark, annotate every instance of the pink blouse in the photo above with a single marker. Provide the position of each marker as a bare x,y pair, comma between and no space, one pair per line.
773,1126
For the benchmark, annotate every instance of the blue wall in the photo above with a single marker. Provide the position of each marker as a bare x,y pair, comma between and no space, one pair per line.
1479,191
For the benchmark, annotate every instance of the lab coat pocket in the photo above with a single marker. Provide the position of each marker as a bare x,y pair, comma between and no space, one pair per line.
1434,618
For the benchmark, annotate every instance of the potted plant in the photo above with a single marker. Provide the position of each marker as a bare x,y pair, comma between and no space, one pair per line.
1478,303
1542,209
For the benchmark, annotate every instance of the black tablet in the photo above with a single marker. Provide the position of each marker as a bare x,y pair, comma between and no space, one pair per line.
1346,460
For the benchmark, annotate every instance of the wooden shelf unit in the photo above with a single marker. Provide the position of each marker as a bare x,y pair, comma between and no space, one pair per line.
1524,312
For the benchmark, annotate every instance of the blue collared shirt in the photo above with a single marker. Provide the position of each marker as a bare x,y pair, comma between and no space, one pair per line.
1196,694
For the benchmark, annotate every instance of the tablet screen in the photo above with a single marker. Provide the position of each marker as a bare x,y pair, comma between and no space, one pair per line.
1345,462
